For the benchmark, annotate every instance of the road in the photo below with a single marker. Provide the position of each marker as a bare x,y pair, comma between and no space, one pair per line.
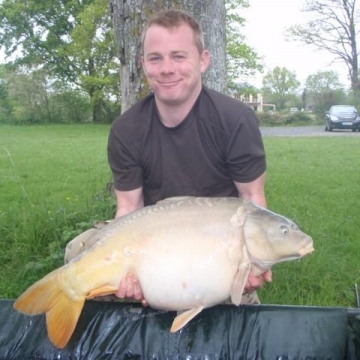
304,131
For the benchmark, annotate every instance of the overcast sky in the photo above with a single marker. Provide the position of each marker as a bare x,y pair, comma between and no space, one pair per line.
266,22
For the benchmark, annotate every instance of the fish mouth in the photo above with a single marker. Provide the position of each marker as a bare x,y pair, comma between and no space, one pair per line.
308,248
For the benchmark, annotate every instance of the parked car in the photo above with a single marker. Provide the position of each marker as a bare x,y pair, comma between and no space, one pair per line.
342,117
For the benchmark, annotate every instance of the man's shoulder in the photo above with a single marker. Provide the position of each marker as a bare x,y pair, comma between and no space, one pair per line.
223,111
138,115
223,101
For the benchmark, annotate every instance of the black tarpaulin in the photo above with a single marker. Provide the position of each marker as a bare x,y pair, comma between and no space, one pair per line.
108,330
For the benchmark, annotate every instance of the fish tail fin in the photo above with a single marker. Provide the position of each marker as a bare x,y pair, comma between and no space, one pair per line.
62,311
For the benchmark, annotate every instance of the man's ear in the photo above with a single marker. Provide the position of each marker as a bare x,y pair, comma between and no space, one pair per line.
204,60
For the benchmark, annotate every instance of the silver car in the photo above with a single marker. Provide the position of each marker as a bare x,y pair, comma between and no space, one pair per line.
342,117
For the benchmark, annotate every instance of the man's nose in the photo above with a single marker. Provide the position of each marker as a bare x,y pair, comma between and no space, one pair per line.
167,66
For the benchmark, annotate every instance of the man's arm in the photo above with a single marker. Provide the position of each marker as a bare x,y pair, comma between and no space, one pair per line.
255,192
128,201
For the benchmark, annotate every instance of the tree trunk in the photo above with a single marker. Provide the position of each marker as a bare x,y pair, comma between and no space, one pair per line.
129,18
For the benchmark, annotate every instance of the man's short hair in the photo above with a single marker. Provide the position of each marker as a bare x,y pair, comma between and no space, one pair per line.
174,18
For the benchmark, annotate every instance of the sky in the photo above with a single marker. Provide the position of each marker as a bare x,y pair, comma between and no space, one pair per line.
266,22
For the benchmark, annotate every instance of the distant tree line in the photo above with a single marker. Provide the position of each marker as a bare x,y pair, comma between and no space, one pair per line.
320,91
63,64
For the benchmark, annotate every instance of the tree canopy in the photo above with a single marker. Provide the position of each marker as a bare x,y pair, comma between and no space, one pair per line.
71,40
280,84
323,89
332,28
242,59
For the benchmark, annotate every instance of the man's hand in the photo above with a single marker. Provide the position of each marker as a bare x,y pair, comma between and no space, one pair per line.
130,288
255,282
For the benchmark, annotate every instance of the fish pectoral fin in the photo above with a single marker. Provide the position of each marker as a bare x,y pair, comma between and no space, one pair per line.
102,291
238,283
183,318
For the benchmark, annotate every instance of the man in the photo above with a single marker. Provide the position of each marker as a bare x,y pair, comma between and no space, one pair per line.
184,139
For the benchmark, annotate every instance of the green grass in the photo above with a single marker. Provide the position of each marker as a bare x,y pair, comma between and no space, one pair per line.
53,185
316,182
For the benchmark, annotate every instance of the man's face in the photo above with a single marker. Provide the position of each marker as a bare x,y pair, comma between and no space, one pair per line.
173,65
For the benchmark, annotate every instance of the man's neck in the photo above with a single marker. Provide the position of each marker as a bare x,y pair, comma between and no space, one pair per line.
173,115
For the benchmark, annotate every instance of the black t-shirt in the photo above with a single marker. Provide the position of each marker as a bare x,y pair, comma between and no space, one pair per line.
219,142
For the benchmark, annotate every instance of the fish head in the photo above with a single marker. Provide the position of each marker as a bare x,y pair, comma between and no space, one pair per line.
271,238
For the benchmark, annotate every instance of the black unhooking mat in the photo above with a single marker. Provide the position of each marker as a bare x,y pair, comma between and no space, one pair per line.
127,331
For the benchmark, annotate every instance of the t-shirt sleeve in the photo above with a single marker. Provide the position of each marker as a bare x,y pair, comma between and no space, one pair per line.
246,159
124,161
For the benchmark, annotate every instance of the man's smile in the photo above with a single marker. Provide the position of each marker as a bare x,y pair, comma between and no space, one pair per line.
169,83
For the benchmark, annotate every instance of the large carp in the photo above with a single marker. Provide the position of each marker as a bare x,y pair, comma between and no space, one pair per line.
188,254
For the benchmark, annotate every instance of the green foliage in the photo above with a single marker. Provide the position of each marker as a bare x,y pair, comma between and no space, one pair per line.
323,101
70,106
94,44
300,118
244,89
40,31
323,82
284,119
71,41
279,85
33,98
323,90
242,60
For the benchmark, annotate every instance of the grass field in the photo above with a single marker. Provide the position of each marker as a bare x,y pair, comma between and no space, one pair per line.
53,185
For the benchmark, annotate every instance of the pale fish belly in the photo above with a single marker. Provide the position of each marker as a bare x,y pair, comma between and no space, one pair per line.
187,270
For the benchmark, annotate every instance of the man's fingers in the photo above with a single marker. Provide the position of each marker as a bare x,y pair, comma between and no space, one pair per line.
256,282
129,285
268,276
137,293
121,292
130,288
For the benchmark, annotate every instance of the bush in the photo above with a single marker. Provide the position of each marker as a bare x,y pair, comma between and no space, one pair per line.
278,119
70,106
298,118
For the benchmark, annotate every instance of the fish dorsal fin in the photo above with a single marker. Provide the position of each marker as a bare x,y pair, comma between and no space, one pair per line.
174,199
102,291
183,318
241,276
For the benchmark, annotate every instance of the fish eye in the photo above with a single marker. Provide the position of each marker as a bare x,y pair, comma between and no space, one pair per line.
284,229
